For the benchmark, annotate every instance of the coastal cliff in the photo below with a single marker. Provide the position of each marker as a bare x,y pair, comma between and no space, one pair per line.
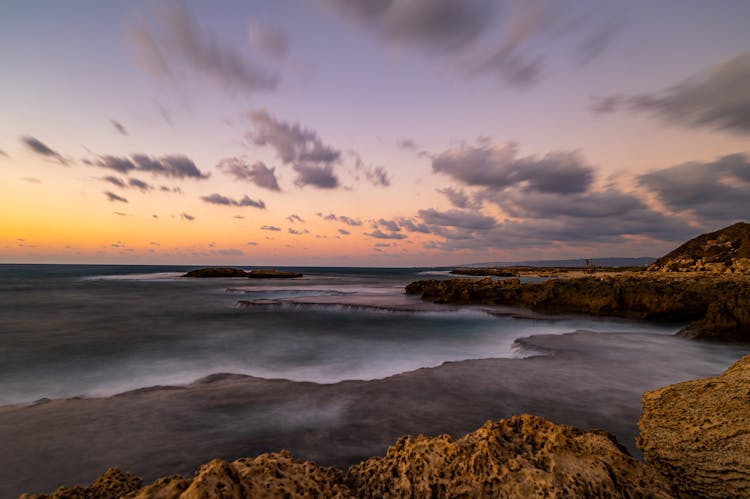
716,306
697,433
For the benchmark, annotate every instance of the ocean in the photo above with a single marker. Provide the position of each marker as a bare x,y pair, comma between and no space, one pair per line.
138,367
80,330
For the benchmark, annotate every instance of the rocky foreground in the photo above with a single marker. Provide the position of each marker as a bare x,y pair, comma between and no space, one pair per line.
694,436
716,306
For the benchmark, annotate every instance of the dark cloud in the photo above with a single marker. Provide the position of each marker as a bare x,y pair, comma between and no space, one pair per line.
714,192
139,184
344,232
388,225
295,218
166,188
501,37
457,218
609,203
257,173
271,228
321,177
119,127
296,232
270,39
178,42
718,98
411,225
40,148
223,200
174,166
116,181
378,234
498,166
297,146
187,217
354,222
111,196
460,199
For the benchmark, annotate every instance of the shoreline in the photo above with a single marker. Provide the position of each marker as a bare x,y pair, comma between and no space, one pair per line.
591,380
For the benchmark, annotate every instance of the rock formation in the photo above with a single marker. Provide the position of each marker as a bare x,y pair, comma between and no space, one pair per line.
726,250
232,272
519,457
717,306
697,433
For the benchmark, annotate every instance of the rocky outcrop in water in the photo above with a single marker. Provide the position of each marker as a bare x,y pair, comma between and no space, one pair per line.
232,272
726,250
697,433
519,457
717,306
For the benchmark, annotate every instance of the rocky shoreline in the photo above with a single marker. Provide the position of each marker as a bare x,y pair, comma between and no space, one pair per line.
691,449
716,306
218,272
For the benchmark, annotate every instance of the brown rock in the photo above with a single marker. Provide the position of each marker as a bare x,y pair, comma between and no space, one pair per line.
524,456
697,433
216,272
113,483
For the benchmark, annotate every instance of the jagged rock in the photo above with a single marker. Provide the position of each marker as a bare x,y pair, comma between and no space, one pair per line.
726,250
717,306
524,456
113,483
518,457
232,272
217,272
697,433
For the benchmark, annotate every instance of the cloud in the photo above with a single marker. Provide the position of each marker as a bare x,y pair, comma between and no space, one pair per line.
457,218
4,154
295,218
257,173
376,175
187,217
119,127
229,252
321,177
252,243
411,225
223,200
120,214
179,43
716,192
116,181
408,144
498,166
354,222
31,180
296,232
40,148
173,166
139,184
271,228
378,234
344,232
388,225
270,39
111,196
718,98
498,37
297,146
460,199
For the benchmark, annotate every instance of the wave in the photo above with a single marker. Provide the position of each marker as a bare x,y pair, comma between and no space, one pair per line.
155,276
286,305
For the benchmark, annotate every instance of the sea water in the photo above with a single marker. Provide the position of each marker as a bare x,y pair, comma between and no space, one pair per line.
80,330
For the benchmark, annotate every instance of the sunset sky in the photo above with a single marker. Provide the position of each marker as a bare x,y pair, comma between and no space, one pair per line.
356,132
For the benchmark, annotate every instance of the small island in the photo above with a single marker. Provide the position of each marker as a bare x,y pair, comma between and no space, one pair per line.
233,272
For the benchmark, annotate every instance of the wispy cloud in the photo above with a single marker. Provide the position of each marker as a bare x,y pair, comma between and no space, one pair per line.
42,149
172,166
186,216
119,127
226,201
257,173
354,222
271,228
111,196
718,98
270,39
176,42
295,218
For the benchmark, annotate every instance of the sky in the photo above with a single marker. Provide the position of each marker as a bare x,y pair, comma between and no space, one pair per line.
369,133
